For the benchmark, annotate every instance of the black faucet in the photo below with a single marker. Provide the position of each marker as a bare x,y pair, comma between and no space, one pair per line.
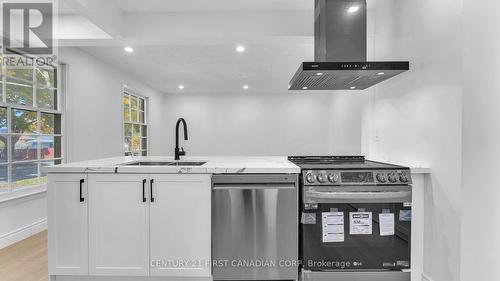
179,152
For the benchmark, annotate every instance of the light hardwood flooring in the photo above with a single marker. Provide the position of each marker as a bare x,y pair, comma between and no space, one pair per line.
25,260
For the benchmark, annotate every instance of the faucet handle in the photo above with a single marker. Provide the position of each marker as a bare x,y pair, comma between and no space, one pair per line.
182,152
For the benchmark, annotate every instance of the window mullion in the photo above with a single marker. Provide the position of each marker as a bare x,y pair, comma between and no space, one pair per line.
39,143
34,93
9,148
4,89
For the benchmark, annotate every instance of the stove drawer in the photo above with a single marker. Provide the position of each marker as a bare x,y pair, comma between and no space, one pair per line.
356,276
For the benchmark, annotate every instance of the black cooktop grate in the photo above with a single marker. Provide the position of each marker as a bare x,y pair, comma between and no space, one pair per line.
326,159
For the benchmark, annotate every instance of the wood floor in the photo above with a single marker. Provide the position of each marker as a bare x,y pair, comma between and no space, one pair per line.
26,260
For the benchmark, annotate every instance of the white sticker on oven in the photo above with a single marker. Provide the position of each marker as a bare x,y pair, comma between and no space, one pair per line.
386,222
360,223
333,227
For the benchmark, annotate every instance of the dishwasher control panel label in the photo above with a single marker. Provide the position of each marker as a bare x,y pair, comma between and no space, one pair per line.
360,223
333,227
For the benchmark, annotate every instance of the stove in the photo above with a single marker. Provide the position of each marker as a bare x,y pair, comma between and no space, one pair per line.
349,170
355,219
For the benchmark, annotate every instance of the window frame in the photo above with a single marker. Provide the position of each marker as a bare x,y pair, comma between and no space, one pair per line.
126,91
12,191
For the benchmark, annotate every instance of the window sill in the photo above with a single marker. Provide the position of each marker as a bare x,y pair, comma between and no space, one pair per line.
10,196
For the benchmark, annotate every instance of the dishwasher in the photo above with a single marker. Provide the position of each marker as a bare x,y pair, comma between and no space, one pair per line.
255,227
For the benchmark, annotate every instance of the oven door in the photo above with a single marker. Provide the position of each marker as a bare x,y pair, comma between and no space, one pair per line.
355,228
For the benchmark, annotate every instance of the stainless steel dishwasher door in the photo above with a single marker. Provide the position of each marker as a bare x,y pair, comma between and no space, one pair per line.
255,228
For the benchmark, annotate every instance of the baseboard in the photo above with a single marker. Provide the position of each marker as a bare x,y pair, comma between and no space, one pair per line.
425,277
22,233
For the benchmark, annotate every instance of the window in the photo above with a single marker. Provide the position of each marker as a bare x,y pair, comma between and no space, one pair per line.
30,126
135,126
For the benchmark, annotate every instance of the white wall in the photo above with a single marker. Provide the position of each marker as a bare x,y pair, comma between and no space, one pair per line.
21,218
94,117
481,142
415,118
285,124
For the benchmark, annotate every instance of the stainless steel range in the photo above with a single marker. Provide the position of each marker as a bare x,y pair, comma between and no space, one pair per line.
355,219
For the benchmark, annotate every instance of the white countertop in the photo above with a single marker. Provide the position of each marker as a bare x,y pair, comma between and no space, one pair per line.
420,170
214,165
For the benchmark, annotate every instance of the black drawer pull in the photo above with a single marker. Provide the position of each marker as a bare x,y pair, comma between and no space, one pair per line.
81,190
151,190
144,190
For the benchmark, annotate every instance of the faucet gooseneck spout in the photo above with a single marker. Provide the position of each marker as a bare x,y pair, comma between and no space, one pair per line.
179,152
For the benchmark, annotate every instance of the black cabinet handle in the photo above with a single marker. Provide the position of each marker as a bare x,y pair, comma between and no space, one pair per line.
151,190
144,190
81,190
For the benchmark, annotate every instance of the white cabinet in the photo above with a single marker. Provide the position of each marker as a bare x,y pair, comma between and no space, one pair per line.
67,224
180,225
118,225
130,225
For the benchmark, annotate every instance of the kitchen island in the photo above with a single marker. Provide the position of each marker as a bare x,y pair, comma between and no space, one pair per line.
118,217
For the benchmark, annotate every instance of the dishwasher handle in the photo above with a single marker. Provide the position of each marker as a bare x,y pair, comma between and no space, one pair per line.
253,186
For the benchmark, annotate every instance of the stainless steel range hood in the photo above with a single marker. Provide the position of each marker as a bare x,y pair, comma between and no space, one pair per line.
340,51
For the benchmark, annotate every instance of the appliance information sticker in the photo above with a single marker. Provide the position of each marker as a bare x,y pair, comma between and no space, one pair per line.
360,223
386,222
333,227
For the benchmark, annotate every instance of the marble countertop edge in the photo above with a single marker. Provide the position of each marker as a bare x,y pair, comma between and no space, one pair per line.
213,165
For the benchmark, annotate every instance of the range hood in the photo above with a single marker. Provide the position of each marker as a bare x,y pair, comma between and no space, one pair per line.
340,51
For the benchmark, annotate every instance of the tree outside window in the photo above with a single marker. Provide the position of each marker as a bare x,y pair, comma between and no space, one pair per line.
30,126
135,128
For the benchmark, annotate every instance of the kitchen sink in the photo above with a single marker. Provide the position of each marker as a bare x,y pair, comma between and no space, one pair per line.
186,163
148,163
165,163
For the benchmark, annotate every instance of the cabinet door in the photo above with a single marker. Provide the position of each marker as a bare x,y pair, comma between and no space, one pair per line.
67,224
180,225
118,225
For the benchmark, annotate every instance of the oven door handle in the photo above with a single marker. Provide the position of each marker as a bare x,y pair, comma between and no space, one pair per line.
358,194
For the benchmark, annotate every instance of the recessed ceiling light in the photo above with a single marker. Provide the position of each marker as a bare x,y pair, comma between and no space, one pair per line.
240,49
380,73
352,88
245,87
319,73
128,49
181,87
304,88
353,9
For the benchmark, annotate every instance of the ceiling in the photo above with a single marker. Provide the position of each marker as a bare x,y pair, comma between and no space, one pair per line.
212,6
64,8
210,68
193,42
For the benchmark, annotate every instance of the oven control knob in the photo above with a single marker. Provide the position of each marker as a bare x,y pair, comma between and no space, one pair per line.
333,178
403,177
392,177
321,178
381,177
310,178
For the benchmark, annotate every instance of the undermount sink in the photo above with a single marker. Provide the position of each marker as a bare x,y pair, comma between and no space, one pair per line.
165,163
186,163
